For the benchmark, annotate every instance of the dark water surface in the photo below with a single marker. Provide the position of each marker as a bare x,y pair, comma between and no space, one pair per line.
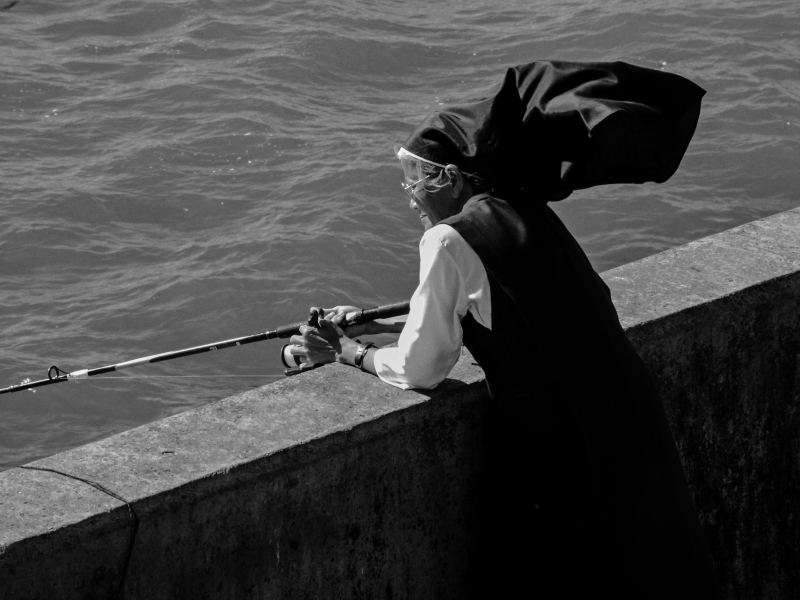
174,173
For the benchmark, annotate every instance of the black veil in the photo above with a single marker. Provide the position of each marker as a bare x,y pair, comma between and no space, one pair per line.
554,127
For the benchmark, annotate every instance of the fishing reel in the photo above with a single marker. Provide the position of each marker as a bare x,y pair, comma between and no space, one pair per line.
294,364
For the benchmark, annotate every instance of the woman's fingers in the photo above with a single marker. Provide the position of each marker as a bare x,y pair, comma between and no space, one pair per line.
306,334
327,325
330,333
298,350
318,344
316,311
337,314
314,355
309,336
321,344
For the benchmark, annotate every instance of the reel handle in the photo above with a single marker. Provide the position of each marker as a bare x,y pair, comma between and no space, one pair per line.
314,315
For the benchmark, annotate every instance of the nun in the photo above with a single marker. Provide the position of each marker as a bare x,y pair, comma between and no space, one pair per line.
587,491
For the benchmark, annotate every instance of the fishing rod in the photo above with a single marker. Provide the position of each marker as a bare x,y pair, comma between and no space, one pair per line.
356,317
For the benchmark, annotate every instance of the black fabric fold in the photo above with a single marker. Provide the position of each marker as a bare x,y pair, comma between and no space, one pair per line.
554,127
641,537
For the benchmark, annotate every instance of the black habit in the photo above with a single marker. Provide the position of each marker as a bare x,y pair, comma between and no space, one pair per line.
589,492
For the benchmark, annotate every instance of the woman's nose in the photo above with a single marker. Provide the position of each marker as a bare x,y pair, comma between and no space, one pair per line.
411,204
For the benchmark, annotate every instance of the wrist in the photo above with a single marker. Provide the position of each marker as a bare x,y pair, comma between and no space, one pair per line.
361,355
348,354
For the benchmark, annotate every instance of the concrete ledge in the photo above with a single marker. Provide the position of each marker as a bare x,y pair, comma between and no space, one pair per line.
326,485
334,485
718,323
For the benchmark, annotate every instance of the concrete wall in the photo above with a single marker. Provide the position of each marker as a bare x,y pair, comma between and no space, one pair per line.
333,485
718,323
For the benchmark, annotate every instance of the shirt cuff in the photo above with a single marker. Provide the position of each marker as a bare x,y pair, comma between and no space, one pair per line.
383,357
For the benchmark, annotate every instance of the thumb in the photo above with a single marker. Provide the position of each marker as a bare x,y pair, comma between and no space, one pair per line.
326,325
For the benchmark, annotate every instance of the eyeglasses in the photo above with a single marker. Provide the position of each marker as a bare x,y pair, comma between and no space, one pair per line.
408,159
410,188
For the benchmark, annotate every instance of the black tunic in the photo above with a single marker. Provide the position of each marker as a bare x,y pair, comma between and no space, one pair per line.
593,495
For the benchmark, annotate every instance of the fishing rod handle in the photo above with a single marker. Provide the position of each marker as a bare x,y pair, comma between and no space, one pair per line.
379,312
353,318
285,331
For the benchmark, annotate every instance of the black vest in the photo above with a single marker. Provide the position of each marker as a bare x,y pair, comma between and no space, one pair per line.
556,338
509,374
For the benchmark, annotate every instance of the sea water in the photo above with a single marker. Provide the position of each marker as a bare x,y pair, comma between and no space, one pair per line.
179,172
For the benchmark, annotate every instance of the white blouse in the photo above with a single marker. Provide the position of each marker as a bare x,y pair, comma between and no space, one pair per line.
452,282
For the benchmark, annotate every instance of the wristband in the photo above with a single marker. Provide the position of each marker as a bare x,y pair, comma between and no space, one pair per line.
358,361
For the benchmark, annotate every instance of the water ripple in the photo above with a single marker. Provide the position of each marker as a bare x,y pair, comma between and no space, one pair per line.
174,172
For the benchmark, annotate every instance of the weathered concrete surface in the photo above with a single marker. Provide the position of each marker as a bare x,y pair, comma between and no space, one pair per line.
334,485
329,485
718,323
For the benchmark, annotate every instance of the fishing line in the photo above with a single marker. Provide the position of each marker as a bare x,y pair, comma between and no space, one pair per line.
134,519
56,375
182,376
55,372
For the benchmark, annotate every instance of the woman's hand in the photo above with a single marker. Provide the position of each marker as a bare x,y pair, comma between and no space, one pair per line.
337,315
324,344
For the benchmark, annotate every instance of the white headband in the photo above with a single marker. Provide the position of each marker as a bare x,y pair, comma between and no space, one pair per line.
403,153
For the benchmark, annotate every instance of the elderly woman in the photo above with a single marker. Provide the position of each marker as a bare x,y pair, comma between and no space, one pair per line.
590,493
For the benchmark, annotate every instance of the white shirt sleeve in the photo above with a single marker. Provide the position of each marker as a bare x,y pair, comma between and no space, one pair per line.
452,282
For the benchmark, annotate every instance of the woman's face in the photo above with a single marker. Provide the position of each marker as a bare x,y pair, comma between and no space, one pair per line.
434,207
425,204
